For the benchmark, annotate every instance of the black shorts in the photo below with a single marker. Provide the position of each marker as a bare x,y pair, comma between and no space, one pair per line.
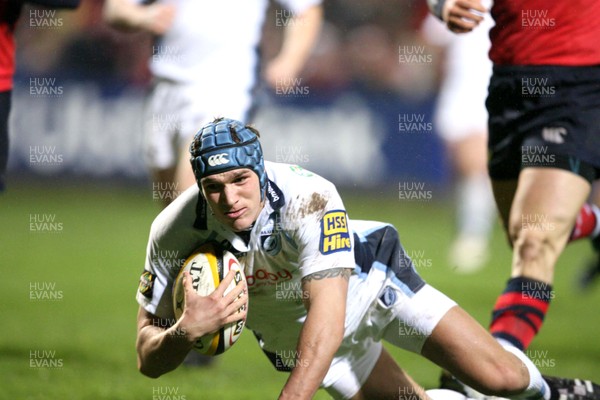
5,99
544,116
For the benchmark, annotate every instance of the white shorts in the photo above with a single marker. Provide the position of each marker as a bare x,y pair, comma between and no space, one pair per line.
176,111
403,321
461,110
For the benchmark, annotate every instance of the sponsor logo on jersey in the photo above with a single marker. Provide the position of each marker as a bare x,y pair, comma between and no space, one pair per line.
263,277
334,233
388,297
270,235
271,244
275,195
218,159
301,171
146,284
554,134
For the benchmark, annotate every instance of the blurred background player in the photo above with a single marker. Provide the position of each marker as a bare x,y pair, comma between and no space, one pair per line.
461,121
544,145
9,14
205,63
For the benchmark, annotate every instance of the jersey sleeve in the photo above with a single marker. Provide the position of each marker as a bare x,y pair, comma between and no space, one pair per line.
161,267
172,240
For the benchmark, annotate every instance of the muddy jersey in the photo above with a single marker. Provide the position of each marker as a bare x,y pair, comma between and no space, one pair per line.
302,229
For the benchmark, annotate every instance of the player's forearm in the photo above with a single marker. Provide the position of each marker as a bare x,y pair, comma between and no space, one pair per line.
317,345
319,340
161,350
322,332
300,36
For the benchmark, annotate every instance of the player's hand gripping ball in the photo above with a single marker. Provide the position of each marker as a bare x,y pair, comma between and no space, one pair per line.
208,265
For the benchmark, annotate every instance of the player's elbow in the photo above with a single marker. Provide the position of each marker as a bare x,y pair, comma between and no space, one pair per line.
147,371
334,338
503,379
146,367
338,333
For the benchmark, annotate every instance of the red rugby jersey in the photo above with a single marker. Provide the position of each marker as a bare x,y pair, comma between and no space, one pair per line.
7,57
546,32
9,12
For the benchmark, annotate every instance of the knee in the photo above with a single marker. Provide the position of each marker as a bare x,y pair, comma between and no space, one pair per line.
546,229
504,380
533,241
530,245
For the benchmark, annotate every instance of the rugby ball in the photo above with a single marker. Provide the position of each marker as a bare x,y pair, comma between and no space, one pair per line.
208,265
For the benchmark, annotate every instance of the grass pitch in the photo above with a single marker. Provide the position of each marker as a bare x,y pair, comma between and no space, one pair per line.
71,255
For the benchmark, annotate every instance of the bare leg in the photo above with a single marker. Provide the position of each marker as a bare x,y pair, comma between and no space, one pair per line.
543,212
171,182
163,186
539,220
389,381
464,348
184,176
504,193
475,213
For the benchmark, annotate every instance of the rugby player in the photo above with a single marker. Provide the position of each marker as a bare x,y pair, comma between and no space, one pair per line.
325,290
461,121
9,15
206,62
544,141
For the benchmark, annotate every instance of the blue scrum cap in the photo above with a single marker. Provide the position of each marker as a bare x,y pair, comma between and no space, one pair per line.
226,144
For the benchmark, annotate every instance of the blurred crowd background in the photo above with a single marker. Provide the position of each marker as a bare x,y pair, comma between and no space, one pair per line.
344,124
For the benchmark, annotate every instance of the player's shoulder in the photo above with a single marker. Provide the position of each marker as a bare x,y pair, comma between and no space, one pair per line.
290,177
307,195
177,215
297,183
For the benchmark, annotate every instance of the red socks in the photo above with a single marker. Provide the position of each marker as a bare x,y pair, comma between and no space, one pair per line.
587,223
520,311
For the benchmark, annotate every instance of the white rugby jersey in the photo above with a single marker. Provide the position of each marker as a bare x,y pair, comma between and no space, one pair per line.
214,44
302,229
